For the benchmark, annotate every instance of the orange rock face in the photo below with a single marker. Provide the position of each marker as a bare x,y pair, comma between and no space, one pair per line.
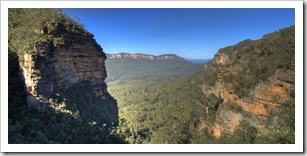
221,59
258,104
217,132
49,68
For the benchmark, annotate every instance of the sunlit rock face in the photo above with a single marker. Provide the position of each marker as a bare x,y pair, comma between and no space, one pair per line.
259,101
221,59
52,66
256,106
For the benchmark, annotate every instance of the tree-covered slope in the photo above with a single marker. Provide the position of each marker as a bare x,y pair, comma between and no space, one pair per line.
204,107
161,112
250,62
244,95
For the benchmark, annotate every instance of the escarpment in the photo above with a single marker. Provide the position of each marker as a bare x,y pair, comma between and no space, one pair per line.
57,88
256,106
63,54
253,79
49,68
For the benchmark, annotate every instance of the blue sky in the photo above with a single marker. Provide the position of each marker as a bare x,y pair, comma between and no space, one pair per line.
189,33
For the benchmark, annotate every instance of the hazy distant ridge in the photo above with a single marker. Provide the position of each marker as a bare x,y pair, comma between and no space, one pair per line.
125,67
144,56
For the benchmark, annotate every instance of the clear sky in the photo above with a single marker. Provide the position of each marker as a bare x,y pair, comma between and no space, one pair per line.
189,33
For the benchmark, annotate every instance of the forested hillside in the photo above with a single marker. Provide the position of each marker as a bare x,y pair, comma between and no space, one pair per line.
161,112
57,93
244,95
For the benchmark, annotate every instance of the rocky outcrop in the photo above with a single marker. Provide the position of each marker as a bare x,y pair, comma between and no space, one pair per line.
253,78
254,107
221,59
51,67
257,105
144,56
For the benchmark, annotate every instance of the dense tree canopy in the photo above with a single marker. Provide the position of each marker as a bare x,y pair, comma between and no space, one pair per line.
172,111
126,70
168,107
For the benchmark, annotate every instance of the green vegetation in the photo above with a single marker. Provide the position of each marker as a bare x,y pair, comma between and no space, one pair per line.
164,112
161,112
158,101
243,134
126,70
172,111
74,115
73,119
30,26
260,59
281,128
153,110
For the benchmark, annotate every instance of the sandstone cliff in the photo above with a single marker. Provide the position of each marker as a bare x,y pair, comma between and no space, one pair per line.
256,106
253,79
59,72
53,65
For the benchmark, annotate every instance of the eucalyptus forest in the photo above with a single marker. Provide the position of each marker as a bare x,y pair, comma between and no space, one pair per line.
243,95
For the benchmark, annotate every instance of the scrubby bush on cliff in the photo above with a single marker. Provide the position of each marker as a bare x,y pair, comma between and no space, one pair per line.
244,133
280,128
28,26
258,59
279,53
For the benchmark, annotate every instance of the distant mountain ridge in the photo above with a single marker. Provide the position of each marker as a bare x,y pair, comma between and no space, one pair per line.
144,56
125,67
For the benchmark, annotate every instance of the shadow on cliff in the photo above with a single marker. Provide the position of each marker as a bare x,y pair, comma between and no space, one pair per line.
81,98
16,92
96,123
76,116
61,126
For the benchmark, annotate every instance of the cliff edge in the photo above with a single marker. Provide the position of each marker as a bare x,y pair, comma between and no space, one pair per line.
56,52
254,79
